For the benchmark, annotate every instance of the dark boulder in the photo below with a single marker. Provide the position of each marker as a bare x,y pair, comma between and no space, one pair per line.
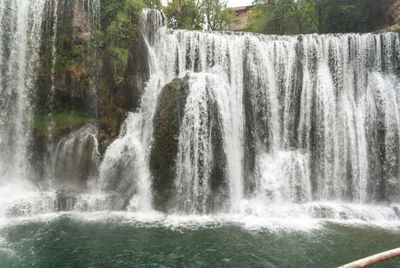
136,75
167,123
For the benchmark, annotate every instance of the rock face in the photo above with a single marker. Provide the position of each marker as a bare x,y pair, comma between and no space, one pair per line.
167,123
121,177
188,160
64,201
77,158
218,177
201,165
136,75
120,171
69,69
75,86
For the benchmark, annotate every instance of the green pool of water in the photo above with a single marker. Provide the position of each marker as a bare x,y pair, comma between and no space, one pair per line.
67,241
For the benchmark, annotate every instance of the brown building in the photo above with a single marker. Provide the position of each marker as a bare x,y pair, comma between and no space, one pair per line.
240,17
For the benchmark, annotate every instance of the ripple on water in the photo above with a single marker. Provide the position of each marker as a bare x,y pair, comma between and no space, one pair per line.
124,239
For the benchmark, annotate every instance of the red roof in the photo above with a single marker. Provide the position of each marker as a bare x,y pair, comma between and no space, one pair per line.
242,8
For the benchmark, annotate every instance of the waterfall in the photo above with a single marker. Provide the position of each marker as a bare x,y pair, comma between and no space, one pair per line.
208,119
309,118
19,44
53,45
124,169
24,27
267,120
76,159
125,166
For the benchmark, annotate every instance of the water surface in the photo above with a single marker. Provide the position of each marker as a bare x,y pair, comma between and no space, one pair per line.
124,240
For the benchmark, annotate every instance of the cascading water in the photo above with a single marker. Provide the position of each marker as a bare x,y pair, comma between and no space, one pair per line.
76,160
20,25
124,168
311,118
305,122
286,133
198,166
19,44
21,28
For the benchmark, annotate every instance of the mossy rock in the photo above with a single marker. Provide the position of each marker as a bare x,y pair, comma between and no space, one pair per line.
76,158
167,123
136,75
60,123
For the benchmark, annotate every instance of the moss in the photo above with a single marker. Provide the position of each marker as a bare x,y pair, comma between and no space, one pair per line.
109,129
60,122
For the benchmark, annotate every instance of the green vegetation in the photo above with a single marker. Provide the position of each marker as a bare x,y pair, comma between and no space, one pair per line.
60,122
119,31
320,16
398,13
184,14
218,16
213,15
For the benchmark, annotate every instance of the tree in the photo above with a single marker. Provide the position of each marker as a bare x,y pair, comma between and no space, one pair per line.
185,14
156,4
322,16
272,16
297,13
119,31
316,11
198,14
218,16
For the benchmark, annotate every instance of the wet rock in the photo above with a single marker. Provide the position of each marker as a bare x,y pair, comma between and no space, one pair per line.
136,75
167,123
218,176
120,177
77,158
65,201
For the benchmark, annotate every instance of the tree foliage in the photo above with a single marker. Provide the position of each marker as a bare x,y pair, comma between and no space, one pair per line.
156,4
184,14
213,15
119,29
218,15
320,16
273,16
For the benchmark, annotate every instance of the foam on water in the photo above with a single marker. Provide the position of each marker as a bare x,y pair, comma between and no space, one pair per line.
255,216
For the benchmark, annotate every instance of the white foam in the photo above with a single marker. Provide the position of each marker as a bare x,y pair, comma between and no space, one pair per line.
273,218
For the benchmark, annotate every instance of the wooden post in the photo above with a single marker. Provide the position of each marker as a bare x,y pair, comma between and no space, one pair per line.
384,256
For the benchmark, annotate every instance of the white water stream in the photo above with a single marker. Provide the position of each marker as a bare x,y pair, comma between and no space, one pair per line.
310,123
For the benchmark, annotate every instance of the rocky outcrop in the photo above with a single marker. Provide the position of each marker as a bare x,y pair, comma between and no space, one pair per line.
75,82
136,75
389,18
219,184
167,123
188,160
64,201
76,158
120,175
115,100
69,69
